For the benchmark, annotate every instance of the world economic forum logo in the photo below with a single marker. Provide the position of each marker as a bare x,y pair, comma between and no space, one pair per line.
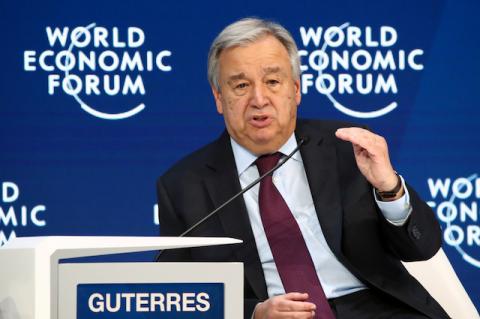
88,62
455,202
15,214
348,61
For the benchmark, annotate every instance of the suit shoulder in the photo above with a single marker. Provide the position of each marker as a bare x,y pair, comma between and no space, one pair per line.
189,166
326,125
326,129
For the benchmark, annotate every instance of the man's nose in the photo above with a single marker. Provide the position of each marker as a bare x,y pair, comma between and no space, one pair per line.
259,96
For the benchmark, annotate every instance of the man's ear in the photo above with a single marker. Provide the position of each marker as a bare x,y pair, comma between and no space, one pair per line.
298,92
218,99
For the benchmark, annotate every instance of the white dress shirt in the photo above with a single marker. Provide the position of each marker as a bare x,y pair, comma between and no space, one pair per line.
291,182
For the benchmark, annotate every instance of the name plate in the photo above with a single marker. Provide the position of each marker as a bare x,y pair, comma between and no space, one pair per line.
150,300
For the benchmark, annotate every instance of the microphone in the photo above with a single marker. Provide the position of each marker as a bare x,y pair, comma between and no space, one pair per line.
302,141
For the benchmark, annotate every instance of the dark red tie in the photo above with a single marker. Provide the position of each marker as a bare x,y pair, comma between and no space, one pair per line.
293,261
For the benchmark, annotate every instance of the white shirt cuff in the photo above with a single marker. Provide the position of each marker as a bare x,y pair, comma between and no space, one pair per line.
396,211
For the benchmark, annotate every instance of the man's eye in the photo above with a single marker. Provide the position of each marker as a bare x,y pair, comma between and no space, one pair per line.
241,86
273,82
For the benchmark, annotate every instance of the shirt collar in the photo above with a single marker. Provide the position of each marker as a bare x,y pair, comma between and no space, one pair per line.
244,158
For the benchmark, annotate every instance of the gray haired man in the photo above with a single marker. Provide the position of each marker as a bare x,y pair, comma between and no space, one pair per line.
324,236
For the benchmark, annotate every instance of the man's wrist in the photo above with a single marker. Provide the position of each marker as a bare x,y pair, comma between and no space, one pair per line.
391,194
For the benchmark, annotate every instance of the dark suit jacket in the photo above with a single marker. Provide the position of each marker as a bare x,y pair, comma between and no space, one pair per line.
356,231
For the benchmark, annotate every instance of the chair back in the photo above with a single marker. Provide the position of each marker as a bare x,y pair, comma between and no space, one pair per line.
441,281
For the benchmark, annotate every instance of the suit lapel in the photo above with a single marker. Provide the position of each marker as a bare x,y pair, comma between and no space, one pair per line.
320,160
222,184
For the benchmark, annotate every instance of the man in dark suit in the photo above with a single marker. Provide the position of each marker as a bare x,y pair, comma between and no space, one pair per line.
323,237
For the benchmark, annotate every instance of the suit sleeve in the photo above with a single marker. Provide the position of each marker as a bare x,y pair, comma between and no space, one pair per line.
419,238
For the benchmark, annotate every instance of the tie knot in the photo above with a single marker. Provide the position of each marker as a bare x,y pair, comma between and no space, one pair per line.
267,162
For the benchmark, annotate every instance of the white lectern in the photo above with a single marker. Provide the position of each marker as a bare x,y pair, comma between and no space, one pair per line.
33,285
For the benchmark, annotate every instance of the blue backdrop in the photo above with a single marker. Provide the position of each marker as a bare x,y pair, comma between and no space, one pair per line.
99,98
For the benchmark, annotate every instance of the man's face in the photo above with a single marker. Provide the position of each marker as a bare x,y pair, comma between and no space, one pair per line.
258,95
